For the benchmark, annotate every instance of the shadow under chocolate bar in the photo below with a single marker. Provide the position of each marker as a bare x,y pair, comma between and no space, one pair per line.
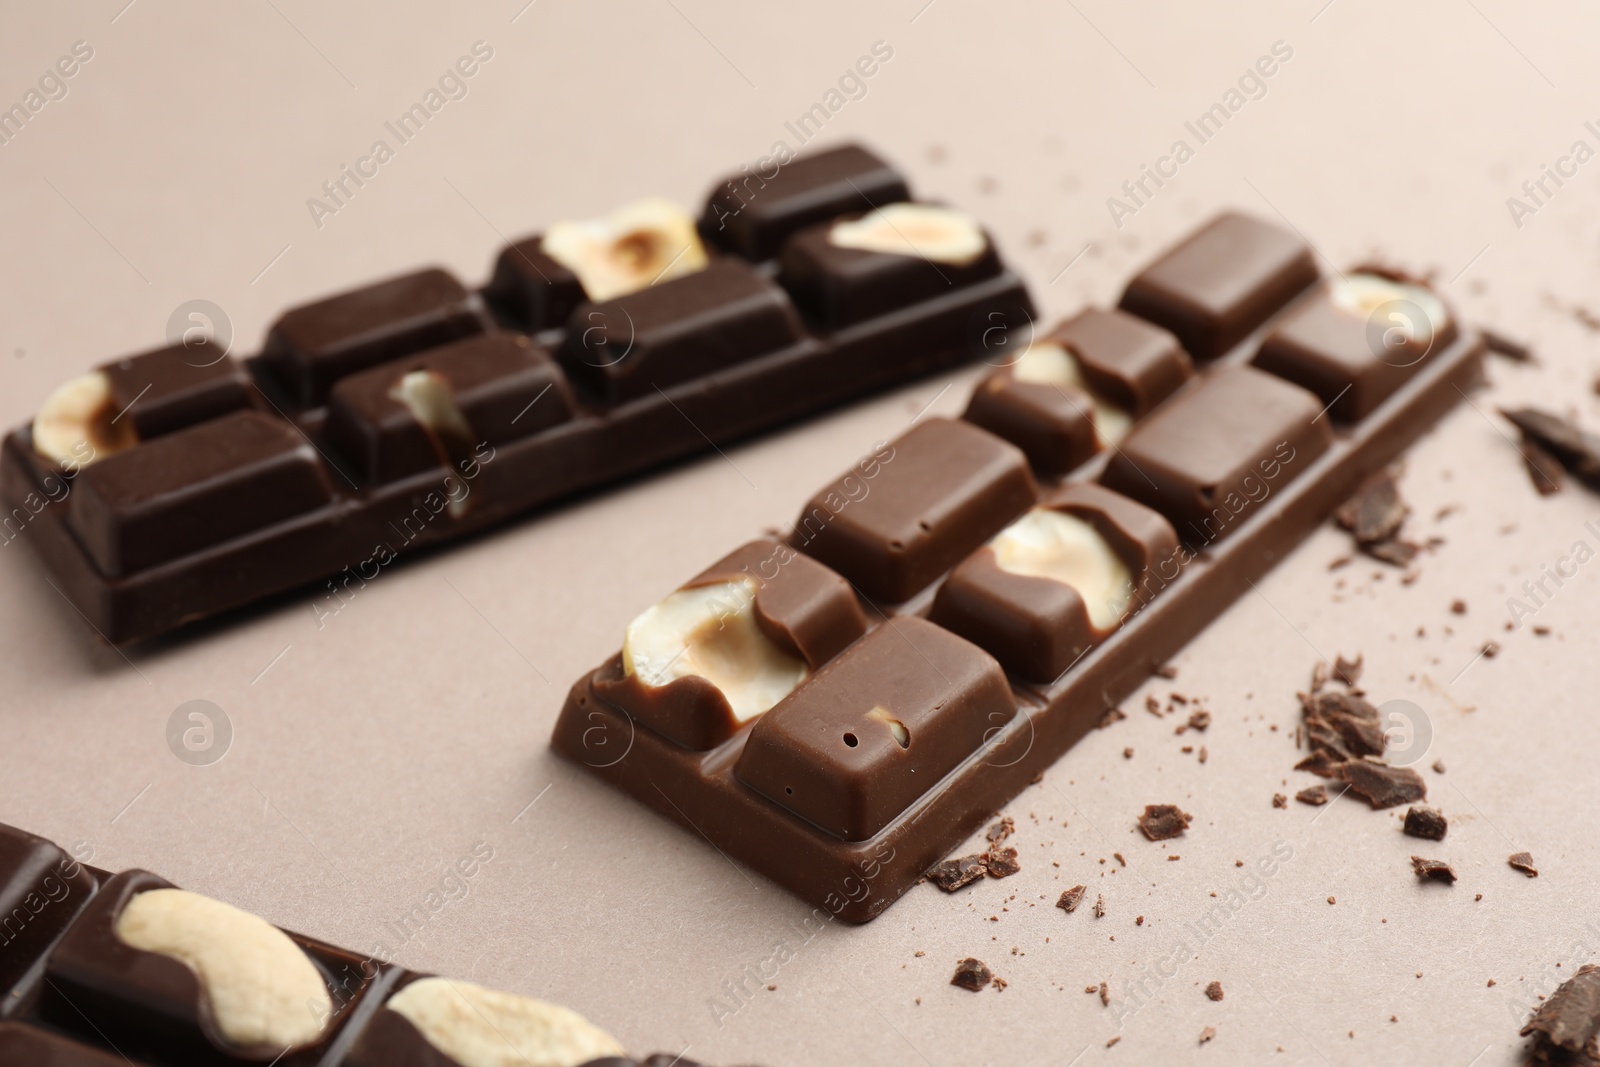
181,483
1012,575
113,970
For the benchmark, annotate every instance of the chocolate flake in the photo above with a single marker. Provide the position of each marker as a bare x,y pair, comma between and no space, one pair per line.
1105,994
1279,800
1214,990
1523,861
1501,345
1381,785
1199,720
1099,905
1434,870
972,974
1574,448
1374,516
1167,671
1348,671
1001,830
1316,795
951,875
1002,863
1427,823
1569,1021
1544,470
1071,898
1161,822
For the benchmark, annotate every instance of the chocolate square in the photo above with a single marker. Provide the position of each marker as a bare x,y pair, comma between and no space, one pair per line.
41,890
839,287
194,488
1038,627
314,345
946,487
752,213
1221,282
505,386
856,744
167,389
1053,424
530,289
680,329
1207,457
1123,358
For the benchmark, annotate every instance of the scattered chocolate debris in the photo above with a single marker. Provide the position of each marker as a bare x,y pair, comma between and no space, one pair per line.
998,982
1319,676
1113,1041
1394,553
1523,861
1569,444
1207,1034
1331,900
1071,899
1427,823
1458,607
1127,753
1341,726
1138,920
1347,671
1501,345
1099,905
1203,756
1568,1024
1153,706
1315,795
1002,863
1112,715
1544,470
1438,766
1118,857
1161,822
951,875
1279,800
1491,649
1214,990
1381,785
1167,671
1001,830
1105,994
1435,870
1091,989
972,974
1374,516
1199,720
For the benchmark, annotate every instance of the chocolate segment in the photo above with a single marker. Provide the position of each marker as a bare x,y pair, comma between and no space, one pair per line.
28,1046
1052,423
198,487
501,385
312,346
877,727
41,890
1357,341
1042,593
169,388
752,213
1123,358
1220,449
681,329
530,290
948,487
1221,283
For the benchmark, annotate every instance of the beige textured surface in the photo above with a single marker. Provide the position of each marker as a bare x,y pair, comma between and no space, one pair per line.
372,754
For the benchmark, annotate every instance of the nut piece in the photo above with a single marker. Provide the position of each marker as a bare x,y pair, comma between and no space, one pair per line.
262,989
633,248
478,1027
76,425
1048,363
934,233
432,402
1052,544
1363,294
711,631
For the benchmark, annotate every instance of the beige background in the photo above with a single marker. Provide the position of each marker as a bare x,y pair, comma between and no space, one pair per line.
372,753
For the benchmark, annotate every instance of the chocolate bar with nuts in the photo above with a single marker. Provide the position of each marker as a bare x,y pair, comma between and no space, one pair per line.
183,483
1023,569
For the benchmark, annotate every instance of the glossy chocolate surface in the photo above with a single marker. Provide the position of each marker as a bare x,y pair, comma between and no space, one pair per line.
169,388
1123,358
1052,424
29,1046
42,889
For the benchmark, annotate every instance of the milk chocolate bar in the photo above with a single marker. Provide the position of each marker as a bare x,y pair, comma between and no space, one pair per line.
101,969
1023,569
182,483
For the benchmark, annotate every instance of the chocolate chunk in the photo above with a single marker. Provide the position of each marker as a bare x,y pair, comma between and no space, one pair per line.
314,345
1344,725
1573,447
169,388
1161,822
1210,456
1316,795
1434,870
1381,785
1523,861
825,755
1071,898
972,974
1214,990
752,213
195,488
953,874
1375,513
1427,823
1220,283
1544,470
948,487
1002,862
531,289
1569,1020
1347,671
1279,800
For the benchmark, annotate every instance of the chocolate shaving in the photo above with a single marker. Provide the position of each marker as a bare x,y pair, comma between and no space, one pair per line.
972,974
1523,861
1002,863
1348,671
1544,470
1375,513
1574,448
1214,990
1315,795
1161,822
1569,1021
1501,345
951,875
1381,785
1433,870
1426,823
1071,898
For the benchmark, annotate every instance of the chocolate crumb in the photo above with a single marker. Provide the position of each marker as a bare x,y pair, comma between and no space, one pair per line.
952,874
1167,671
1071,899
1427,823
1112,715
1569,1021
1315,795
1161,822
1091,989
998,982
1458,607
1491,649
1127,753
1199,720
1113,1041
1099,905
1002,863
1207,1034
1438,766
1214,990
1523,861
1153,706
1331,900
972,974
1105,994
1203,754
1501,345
1118,857
1435,870
1544,470
1001,830
1138,920
1381,785
1348,671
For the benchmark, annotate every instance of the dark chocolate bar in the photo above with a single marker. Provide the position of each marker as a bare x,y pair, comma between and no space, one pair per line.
42,889
182,483
1166,493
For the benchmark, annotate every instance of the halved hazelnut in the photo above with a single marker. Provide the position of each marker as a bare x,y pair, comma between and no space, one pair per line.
1046,543
935,233
478,1027
263,990
78,423
711,631
1048,363
633,248
1362,294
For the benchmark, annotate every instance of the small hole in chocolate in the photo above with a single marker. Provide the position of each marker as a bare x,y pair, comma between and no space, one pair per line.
789,789
850,739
